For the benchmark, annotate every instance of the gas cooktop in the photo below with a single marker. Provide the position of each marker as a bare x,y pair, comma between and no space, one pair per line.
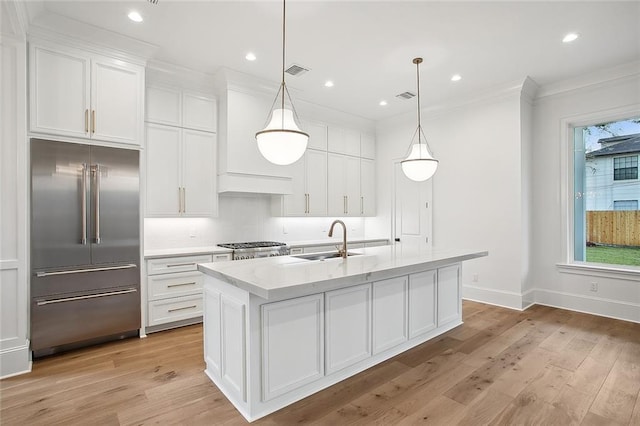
252,244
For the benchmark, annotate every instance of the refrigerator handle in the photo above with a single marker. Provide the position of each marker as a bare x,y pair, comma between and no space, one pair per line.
97,195
84,204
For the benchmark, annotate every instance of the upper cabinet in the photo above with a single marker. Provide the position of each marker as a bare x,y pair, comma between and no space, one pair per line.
180,153
344,141
80,94
181,109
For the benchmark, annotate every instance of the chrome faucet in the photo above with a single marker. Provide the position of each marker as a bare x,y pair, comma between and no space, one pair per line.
342,252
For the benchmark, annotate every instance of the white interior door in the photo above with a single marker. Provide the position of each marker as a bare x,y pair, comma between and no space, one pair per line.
412,211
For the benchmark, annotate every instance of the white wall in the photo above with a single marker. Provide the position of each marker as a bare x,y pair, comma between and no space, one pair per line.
615,97
477,190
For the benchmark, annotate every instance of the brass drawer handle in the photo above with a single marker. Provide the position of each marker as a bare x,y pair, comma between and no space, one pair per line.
173,265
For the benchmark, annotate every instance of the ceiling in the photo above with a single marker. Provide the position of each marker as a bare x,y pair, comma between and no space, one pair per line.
366,47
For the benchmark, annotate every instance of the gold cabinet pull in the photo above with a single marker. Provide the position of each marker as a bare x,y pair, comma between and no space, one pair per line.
182,309
86,121
93,121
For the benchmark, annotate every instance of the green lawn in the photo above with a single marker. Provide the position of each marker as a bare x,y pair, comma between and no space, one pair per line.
614,255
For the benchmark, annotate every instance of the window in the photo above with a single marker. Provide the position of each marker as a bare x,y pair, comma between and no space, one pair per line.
606,219
625,205
625,168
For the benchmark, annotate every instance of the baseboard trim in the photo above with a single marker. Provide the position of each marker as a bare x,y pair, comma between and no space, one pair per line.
608,308
15,361
505,299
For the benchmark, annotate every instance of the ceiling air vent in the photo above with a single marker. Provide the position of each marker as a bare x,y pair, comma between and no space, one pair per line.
406,95
296,70
153,1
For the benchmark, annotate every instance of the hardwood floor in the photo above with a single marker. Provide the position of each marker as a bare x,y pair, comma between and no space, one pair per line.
543,366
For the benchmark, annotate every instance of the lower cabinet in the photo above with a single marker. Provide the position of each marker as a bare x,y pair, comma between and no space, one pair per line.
348,326
422,306
292,344
389,313
174,290
264,354
449,300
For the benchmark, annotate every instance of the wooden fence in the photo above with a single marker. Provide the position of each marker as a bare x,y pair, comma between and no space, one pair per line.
619,227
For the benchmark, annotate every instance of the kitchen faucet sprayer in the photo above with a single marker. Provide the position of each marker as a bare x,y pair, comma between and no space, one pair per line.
342,252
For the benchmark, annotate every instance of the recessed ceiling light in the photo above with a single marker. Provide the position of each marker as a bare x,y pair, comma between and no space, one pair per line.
383,103
570,37
329,83
250,57
456,77
135,16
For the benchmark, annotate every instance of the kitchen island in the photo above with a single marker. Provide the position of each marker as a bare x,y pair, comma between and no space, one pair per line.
279,329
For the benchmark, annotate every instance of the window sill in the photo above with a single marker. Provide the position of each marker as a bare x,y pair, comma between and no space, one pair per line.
622,272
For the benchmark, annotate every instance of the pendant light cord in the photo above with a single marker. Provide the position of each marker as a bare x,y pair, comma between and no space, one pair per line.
417,62
284,16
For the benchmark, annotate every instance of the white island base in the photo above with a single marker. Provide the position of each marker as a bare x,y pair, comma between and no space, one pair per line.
267,351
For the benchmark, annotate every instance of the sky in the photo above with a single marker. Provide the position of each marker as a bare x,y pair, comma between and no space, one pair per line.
616,128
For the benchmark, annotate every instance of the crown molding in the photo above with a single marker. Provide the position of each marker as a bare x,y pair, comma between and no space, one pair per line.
594,79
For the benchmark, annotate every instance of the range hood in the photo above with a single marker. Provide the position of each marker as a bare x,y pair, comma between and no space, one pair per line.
243,108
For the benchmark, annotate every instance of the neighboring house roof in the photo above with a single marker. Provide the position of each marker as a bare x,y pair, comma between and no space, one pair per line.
618,145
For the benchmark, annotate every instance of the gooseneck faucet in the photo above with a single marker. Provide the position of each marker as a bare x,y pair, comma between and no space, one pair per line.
342,252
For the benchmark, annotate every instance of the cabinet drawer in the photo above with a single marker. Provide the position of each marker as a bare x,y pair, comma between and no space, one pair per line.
176,264
220,257
176,309
171,285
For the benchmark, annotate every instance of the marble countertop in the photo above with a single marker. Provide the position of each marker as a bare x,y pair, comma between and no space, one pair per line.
185,251
284,277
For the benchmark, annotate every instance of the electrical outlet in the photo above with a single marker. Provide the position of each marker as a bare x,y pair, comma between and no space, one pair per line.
192,233
476,277
594,286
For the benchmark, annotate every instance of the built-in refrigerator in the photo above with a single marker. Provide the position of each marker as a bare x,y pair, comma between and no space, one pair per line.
85,245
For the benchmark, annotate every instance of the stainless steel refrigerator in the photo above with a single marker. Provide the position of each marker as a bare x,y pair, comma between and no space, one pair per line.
85,245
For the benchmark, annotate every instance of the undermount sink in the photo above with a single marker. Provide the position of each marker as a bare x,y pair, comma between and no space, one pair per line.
322,256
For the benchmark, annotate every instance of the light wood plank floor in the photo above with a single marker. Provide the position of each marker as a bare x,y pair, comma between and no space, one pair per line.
543,366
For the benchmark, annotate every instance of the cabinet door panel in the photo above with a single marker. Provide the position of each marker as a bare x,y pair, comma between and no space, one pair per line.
352,183
422,303
317,134
199,112
316,178
336,171
367,187
389,313
116,98
212,338
367,146
164,106
198,172
292,344
233,360
348,326
163,175
295,204
59,91
449,302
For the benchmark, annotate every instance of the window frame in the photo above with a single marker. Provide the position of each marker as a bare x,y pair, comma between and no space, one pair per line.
568,264
626,169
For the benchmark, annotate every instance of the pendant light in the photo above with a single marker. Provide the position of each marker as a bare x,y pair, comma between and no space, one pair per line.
282,142
419,164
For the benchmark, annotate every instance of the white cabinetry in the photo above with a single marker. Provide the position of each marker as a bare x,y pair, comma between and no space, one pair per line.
449,300
367,187
174,290
422,307
317,134
367,146
389,313
343,141
309,196
287,362
343,191
180,154
348,326
79,94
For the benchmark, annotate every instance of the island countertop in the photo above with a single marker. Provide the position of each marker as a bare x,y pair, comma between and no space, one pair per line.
290,276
